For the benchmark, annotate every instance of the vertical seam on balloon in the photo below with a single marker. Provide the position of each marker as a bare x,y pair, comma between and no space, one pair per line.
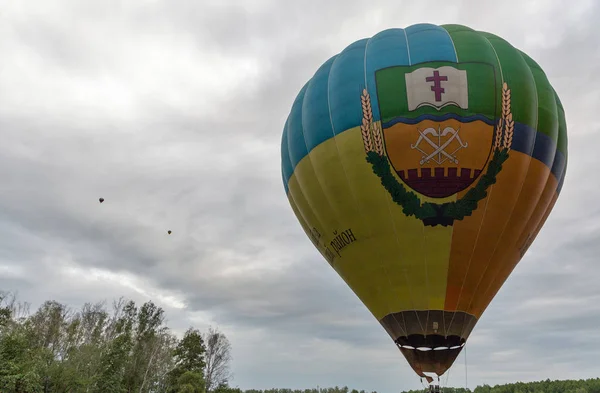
423,250
300,186
561,131
487,200
283,164
381,264
388,202
302,218
390,210
357,205
302,214
300,211
529,158
407,47
561,181
337,220
285,147
452,42
410,294
548,206
561,120
452,228
396,231
547,210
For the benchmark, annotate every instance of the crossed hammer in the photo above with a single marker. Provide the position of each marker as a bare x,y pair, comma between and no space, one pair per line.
439,147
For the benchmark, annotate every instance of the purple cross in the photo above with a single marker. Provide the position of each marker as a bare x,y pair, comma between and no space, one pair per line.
437,85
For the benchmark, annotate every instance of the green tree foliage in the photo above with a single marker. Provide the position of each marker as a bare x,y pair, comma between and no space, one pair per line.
188,357
547,386
191,382
129,349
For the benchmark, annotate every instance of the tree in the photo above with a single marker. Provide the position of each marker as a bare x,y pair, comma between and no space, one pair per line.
146,341
218,358
224,388
19,363
189,357
190,351
191,382
115,352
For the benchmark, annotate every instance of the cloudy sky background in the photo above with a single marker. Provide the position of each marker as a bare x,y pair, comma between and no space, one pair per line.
173,110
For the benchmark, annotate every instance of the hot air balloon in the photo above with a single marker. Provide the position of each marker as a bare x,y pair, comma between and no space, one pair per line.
101,200
422,163
169,231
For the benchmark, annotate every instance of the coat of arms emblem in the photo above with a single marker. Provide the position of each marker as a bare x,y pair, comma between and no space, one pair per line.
423,153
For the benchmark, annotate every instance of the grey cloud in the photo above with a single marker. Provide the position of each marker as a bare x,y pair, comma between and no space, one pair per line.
237,257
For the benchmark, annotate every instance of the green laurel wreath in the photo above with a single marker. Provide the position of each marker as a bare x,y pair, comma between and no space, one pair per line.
412,206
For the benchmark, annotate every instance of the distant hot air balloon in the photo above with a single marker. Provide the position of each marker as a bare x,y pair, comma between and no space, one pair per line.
101,200
422,163
169,232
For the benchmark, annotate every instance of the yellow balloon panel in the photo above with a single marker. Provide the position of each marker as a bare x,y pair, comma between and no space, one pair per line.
392,262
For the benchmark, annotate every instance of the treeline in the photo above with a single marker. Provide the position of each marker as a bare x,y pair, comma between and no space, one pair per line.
547,386
320,390
122,349
129,349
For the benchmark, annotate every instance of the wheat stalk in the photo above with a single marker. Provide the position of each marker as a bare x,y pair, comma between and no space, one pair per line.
509,129
498,140
509,124
505,100
366,106
378,138
371,131
366,135
366,121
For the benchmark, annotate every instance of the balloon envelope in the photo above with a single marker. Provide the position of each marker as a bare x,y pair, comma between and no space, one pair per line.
422,162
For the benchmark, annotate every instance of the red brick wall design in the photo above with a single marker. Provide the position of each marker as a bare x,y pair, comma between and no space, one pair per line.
438,185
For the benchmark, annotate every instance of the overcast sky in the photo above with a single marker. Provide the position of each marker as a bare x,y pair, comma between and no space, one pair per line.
172,110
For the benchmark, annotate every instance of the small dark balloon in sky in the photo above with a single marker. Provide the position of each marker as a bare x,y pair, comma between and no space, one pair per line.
101,200
169,232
